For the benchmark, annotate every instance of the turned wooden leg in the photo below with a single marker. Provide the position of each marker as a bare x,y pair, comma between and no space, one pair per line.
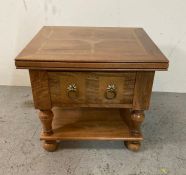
46,117
137,117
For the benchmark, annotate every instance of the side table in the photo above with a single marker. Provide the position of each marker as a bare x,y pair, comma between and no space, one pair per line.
91,83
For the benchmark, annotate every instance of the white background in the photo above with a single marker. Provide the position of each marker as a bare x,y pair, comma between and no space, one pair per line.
163,20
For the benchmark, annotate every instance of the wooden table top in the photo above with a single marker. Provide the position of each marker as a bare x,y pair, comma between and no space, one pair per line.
56,47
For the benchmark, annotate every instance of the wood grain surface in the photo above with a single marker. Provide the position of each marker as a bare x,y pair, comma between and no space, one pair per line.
143,90
57,46
89,124
40,89
91,87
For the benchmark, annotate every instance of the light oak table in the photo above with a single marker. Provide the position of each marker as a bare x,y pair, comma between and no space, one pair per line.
91,83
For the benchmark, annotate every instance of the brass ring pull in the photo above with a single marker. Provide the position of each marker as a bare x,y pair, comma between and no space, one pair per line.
110,92
72,91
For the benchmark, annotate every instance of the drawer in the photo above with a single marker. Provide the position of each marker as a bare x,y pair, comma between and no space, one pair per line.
91,88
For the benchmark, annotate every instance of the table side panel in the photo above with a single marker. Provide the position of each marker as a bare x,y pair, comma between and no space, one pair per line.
143,90
40,89
50,89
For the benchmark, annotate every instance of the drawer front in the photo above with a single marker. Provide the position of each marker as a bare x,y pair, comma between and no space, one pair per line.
91,88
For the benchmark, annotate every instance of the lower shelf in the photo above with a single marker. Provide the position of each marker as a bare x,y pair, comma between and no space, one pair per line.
89,124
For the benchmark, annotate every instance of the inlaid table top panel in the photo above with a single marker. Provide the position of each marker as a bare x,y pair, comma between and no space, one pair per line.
125,48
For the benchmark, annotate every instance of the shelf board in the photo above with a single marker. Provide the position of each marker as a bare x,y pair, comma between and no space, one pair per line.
89,124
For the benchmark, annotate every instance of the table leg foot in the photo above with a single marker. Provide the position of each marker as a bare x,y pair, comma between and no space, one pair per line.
50,146
133,145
